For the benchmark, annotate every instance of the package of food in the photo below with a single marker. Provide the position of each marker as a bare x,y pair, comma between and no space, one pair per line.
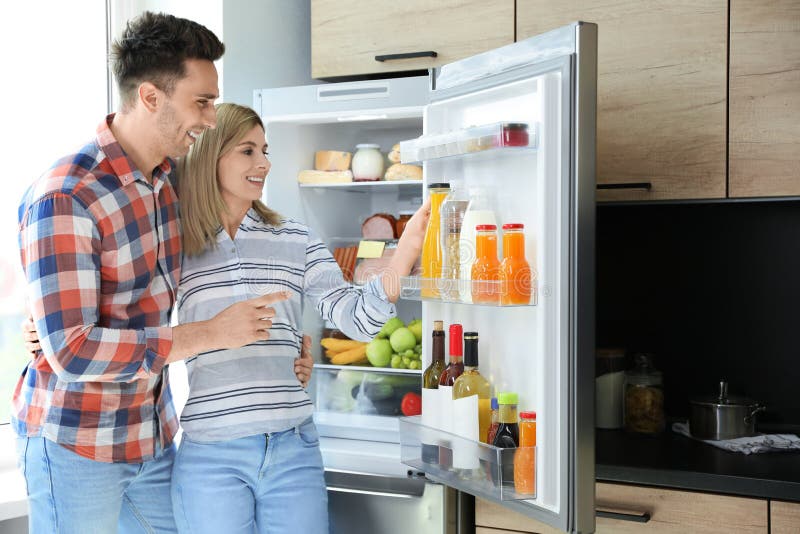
332,160
346,258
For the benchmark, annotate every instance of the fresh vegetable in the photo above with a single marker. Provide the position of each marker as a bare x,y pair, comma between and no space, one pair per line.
411,404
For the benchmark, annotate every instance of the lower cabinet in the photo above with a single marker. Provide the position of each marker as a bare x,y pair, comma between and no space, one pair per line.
670,511
784,517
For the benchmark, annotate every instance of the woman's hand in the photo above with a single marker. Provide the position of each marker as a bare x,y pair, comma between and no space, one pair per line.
30,336
305,363
408,251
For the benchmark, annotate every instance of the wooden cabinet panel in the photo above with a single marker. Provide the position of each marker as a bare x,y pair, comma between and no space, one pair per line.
764,98
661,91
678,512
490,516
784,517
346,35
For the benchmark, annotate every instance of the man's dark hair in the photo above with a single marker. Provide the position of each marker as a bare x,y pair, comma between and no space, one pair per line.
154,47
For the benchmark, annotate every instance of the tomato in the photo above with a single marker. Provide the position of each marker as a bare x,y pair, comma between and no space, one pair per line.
411,404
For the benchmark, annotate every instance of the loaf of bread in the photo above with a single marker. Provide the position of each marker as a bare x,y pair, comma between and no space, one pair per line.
332,160
394,155
402,171
324,177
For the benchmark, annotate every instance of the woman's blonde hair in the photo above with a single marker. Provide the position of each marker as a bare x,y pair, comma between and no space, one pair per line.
202,207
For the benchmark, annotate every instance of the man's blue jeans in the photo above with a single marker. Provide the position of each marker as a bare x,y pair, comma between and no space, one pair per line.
270,484
68,493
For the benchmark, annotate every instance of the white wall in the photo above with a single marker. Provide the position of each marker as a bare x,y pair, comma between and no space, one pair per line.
267,44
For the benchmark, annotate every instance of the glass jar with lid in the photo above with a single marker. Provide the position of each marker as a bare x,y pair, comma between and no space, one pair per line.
367,163
643,404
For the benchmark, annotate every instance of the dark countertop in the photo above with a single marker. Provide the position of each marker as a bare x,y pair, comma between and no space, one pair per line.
675,461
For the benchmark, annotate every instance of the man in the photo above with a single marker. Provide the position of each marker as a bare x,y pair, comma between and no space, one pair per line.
100,246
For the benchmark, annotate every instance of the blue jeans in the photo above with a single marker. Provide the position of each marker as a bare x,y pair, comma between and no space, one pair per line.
68,493
270,484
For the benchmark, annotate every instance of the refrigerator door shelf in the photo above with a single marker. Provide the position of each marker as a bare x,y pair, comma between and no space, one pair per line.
507,136
404,188
467,465
450,291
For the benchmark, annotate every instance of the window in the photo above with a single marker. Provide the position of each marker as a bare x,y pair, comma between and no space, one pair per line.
54,96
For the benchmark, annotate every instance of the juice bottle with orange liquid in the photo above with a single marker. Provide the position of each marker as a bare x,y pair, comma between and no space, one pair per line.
525,455
432,246
486,268
515,272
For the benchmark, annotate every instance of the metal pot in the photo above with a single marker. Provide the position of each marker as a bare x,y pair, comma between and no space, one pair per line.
723,416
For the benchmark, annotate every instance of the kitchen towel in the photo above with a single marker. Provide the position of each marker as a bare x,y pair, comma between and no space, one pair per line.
748,445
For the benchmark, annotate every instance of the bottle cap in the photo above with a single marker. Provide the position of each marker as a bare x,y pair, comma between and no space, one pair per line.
471,349
439,185
494,403
527,415
507,397
456,343
513,226
485,227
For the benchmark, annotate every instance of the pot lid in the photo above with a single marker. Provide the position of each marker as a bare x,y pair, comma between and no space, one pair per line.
723,399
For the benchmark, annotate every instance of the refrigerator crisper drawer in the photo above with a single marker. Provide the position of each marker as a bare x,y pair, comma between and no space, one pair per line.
467,465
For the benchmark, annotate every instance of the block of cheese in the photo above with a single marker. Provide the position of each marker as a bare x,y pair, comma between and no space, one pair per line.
402,171
324,177
332,160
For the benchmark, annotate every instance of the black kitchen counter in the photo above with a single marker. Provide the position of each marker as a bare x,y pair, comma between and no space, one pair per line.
675,461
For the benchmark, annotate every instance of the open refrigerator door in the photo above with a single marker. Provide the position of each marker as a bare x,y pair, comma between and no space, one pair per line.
514,130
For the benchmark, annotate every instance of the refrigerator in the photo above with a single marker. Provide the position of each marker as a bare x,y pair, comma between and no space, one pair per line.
456,123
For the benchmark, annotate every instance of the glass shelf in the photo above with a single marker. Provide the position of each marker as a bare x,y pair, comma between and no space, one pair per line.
408,187
467,465
473,140
383,370
448,290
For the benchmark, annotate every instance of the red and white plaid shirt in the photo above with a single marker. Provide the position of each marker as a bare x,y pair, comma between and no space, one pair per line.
101,250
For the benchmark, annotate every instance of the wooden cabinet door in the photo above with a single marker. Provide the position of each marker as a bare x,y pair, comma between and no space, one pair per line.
784,517
764,152
661,91
346,35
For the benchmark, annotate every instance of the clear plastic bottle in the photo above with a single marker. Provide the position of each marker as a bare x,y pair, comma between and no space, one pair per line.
431,246
479,211
452,215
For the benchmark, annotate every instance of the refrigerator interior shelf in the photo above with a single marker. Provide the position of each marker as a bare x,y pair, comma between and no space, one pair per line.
383,370
449,290
506,136
404,187
471,466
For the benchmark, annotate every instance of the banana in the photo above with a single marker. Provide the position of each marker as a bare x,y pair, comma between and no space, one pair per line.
340,345
349,357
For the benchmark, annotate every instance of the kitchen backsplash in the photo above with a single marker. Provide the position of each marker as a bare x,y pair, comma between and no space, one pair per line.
713,291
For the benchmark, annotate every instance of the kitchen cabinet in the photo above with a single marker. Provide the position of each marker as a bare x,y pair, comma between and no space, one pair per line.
670,511
348,35
661,92
764,148
784,517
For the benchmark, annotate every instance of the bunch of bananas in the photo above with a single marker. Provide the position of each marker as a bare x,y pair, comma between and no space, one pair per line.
345,351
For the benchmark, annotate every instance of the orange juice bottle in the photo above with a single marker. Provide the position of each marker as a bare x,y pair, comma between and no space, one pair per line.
432,246
486,268
525,455
515,273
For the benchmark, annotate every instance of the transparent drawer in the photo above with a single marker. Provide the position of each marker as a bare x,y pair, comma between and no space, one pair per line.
363,390
498,135
491,293
467,465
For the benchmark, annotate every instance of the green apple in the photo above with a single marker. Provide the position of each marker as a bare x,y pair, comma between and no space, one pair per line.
379,352
390,326
416,328
402,339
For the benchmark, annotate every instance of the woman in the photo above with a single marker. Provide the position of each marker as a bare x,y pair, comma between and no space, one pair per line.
249,459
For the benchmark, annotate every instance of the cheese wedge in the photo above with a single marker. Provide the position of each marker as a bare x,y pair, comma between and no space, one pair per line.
332,160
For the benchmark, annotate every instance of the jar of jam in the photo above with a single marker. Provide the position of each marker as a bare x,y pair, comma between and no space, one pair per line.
643,397
402,219
514,134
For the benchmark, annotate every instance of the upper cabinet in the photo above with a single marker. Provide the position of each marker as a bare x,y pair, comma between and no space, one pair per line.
661,91
352,37
764,98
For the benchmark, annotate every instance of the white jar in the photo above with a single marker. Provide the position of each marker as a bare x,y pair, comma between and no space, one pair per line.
367,163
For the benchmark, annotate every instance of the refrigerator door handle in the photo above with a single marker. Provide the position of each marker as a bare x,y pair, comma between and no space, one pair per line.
634,185
405,55
636,517
368,484
399,495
